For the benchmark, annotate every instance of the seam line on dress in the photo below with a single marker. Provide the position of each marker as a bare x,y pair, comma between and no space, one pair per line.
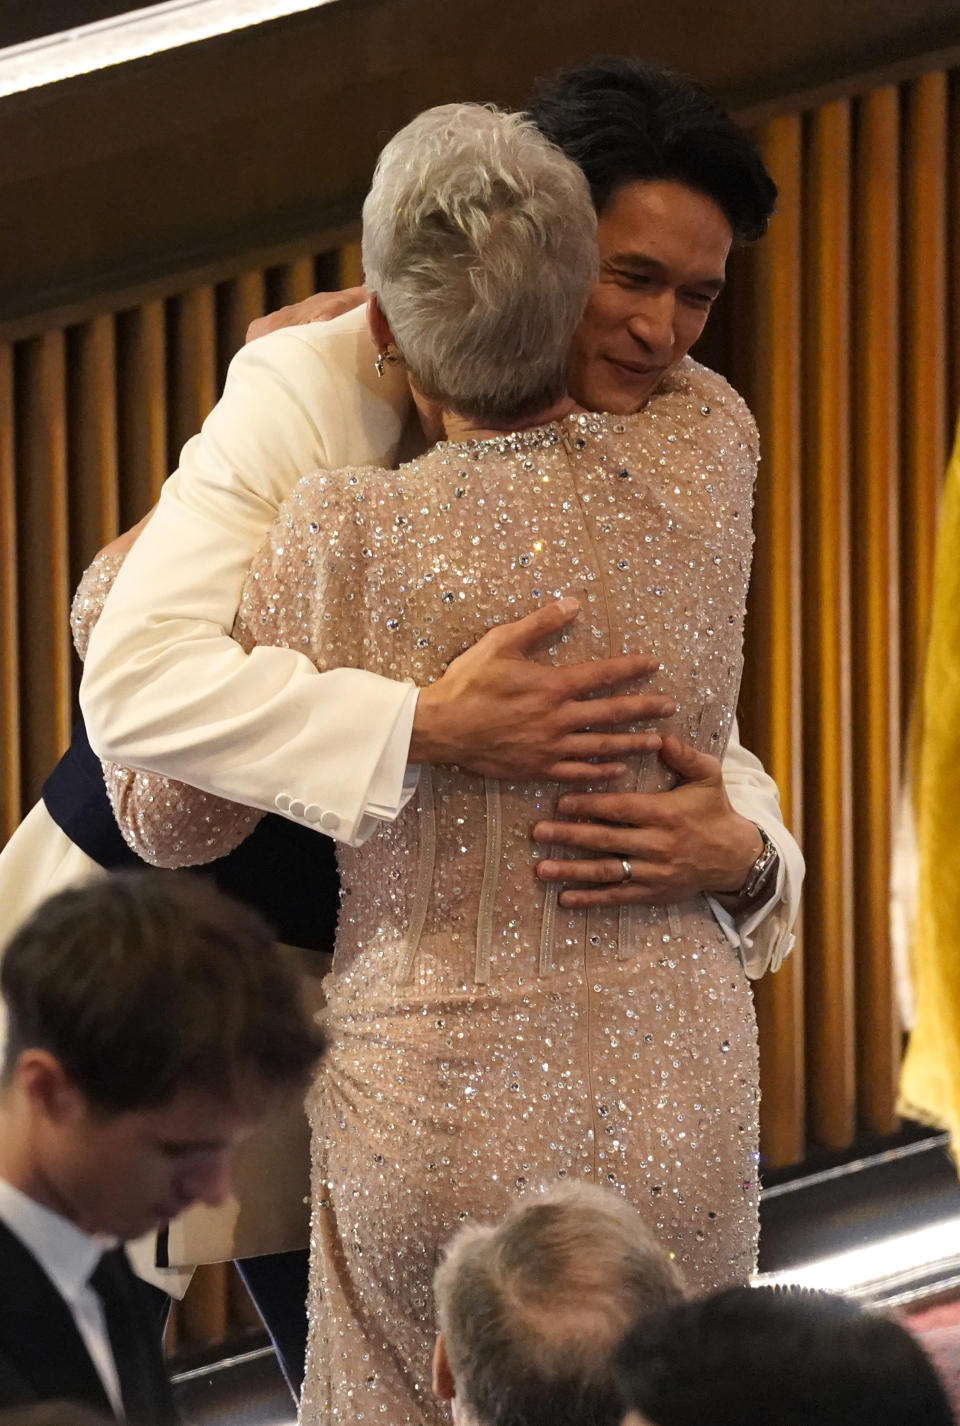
488,889
627,936
548,920
425,868
591,1087
695,736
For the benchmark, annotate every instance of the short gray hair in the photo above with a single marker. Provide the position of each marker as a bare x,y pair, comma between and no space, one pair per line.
531,1309
479,240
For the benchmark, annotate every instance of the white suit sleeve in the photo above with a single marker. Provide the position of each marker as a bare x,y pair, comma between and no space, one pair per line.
165,688
763,936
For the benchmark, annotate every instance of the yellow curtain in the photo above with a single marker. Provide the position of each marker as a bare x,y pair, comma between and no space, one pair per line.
930,1082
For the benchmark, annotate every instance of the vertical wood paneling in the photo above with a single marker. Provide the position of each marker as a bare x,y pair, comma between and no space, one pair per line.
826,612
953,228
239,302
192,367
771,695
328,270
875,568
925,422
142,409
202,1315
845,337
94,495
351,265
42,558
295,281
240,1309
10,800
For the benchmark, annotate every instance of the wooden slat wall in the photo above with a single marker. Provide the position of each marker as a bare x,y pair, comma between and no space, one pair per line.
875,579
92,427
926,361
43,577
825,518
91,422
953,226
10,761
847,344
768,308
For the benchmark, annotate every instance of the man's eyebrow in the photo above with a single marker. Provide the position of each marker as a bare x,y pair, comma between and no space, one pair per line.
640,262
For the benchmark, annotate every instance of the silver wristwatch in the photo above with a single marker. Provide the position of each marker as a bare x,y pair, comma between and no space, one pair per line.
762,872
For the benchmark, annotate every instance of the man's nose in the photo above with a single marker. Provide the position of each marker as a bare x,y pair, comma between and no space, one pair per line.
653,324
208,1184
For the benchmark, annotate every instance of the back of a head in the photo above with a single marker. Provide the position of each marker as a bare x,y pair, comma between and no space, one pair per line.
532,1308
479,241
777,1357
54,1413
623,121
146,983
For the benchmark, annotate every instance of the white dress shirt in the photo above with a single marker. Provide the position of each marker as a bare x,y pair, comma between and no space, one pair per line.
68,1257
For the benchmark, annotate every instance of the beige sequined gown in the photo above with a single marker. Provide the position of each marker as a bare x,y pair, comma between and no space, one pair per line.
484,1041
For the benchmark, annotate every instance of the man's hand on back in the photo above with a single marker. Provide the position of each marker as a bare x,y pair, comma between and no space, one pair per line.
679,843
321,307
498,712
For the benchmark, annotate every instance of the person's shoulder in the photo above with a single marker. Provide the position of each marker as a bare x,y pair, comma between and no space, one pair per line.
702,383
322,376
713,396
321,493
344,340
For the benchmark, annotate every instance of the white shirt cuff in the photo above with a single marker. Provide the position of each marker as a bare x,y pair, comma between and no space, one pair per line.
766,951
738,928
395,779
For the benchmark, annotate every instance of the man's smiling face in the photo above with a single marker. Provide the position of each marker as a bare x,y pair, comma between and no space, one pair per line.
663,254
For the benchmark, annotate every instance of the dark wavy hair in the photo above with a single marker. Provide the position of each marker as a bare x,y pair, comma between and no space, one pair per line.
624,121
777,1357
146,983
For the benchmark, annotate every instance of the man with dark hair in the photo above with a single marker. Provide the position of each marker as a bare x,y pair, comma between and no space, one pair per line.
623,121
674,181
530,1309
151,1026
339,751
774,1357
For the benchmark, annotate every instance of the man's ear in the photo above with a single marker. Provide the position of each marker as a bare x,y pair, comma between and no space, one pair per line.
379,326
44,1083
444,1385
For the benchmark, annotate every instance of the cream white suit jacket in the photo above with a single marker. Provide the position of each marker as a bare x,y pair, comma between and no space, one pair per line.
165,687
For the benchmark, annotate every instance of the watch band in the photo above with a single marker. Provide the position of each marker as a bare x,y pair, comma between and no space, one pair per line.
763,868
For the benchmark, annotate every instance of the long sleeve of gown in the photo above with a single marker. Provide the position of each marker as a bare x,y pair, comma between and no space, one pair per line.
166,823
169,823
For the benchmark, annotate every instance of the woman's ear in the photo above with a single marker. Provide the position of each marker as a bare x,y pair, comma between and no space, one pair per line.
379,326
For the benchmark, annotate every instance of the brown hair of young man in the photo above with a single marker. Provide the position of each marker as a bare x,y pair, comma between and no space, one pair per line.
147,983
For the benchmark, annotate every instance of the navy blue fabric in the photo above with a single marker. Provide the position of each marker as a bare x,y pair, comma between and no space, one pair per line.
285,870
277,1283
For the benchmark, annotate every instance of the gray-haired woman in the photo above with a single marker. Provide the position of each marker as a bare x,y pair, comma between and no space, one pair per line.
483,1039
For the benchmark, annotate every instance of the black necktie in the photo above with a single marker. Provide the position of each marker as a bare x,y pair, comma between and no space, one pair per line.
132,1353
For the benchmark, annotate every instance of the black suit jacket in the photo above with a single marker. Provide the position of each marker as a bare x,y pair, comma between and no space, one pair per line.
286,870
43,1357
